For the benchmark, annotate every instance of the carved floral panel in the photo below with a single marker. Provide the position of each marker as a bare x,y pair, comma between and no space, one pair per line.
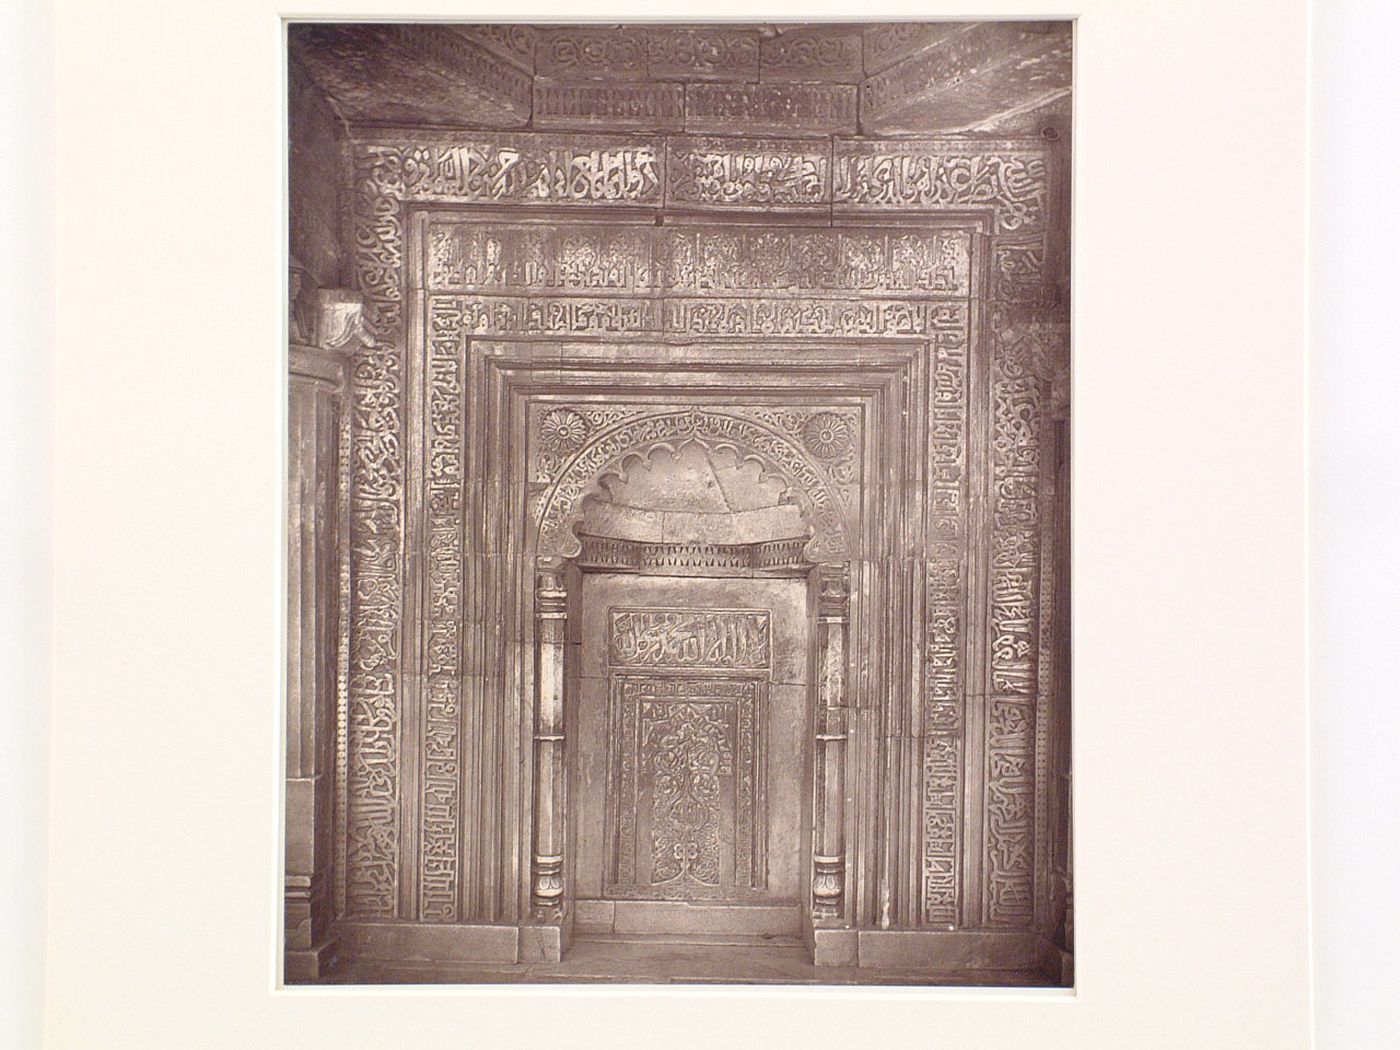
685,788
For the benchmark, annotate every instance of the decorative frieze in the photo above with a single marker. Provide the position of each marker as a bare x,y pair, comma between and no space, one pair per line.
887,42
1018,270
770,108
1010,178
523,169
581,51
557,315
445,475
748,171
514,257
1015,553
371,833
810,53
1013,620
942,800
952,57
644,106
678,52
691,559
515,42
1010,829
944,681
507,315
811,317
703,52
714,638
853,262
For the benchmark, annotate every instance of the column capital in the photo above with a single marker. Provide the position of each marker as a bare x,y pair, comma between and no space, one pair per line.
326,328
340,320
329,320
549,585
833,592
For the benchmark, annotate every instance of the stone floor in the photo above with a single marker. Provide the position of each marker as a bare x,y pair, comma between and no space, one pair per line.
696,959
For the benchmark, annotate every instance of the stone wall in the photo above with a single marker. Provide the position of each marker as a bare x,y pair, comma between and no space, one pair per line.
314,192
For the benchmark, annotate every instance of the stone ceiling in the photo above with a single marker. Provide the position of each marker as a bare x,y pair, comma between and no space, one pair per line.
879,78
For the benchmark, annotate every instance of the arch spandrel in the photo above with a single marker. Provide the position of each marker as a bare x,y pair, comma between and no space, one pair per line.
561,506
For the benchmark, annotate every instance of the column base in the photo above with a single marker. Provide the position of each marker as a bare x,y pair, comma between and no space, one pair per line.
310,964
1059,966
834,947
542,943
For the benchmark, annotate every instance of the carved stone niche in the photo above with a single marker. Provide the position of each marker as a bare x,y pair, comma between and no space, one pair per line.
324,326
685,562
692,511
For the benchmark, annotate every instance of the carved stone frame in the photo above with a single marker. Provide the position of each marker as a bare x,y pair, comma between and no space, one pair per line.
515,372
1014,347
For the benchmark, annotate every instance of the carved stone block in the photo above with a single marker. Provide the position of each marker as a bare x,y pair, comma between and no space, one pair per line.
644,106
770,108
671,52
1009,178
703,52
521,168
582,51
812,53
748,172
510,41
887,42
413,73
962,80
686,771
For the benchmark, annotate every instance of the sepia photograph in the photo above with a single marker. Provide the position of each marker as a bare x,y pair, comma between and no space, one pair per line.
610,525
677,550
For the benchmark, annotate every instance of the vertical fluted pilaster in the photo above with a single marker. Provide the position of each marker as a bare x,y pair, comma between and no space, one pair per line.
324,327
547,884
829,859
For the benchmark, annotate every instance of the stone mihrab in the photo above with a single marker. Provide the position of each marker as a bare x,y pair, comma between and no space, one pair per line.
679,502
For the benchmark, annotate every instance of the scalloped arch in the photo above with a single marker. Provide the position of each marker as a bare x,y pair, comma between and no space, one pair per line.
775,454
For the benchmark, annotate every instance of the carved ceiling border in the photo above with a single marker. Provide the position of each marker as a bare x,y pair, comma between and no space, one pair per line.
1009,177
